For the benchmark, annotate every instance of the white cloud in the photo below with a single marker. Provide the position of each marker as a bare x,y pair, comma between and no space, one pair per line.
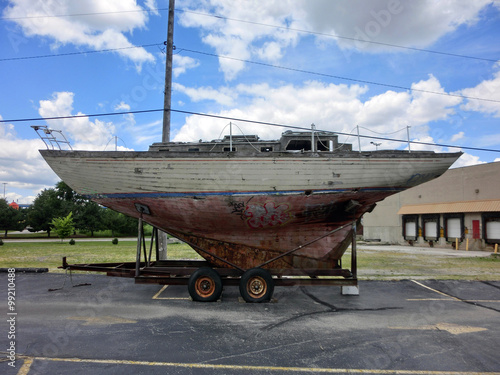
86,134
428,106
122,106
101,31
457,136
23,168
331,107
152,6
223,96
466,160
244,40
400,22
182,63
487,89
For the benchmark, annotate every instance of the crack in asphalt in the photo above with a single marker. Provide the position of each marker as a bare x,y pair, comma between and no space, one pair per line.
469,302
490,284
331,309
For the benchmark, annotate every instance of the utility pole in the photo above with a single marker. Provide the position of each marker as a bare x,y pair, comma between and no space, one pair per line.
162,236
168,73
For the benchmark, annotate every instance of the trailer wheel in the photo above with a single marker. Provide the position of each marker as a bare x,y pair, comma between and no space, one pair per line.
256,285
205,285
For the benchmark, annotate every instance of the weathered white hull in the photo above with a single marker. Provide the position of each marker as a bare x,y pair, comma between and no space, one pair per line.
97,173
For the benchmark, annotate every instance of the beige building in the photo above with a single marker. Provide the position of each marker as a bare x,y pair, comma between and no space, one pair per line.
463,204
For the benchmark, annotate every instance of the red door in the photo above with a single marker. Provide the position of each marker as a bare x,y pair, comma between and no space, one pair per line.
475,230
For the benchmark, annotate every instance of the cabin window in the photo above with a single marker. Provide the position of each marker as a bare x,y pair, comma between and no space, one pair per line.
322,146
227,149
195,149
266,149
297,144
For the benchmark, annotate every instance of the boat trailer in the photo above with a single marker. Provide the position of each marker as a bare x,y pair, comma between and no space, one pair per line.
205,283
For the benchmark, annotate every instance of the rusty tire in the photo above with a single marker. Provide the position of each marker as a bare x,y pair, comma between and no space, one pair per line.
205,285
256,285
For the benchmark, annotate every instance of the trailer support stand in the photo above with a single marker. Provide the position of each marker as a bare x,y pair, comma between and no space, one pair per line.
352,290
139,248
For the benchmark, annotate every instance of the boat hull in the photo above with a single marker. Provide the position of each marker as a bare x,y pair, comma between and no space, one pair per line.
244,212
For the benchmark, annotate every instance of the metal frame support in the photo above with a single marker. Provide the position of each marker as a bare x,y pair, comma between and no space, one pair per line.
141,247
354,255
352,290
353,224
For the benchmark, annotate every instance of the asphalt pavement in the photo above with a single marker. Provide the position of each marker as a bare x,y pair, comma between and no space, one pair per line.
106,325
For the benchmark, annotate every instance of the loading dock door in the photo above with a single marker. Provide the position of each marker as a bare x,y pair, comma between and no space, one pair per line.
431,230
411,229
493,230
453,228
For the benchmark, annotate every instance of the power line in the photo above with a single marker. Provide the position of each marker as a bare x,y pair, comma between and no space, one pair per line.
153,10
78,53
262,64
339,77
247,121
80,116
343,37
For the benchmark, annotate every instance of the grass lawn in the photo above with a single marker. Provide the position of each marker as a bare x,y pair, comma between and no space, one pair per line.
393,265
49,254
372,264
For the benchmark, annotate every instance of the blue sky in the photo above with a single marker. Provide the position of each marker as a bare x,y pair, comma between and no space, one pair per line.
345,68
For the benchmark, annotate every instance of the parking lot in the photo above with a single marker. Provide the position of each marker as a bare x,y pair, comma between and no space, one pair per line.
114,326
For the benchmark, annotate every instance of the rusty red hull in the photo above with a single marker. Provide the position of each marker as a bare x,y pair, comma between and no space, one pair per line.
248,230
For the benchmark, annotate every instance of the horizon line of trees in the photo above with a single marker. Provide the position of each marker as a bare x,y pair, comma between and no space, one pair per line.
58,202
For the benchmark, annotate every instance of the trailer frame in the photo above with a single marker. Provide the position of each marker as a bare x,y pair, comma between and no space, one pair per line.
178,272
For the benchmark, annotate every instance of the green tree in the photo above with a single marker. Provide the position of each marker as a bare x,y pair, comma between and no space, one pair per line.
10,218
89,217
63,226
119,224
64,192
46,206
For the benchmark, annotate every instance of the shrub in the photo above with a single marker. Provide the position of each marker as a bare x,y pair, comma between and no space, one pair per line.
63,226
72,241
115,241
1,242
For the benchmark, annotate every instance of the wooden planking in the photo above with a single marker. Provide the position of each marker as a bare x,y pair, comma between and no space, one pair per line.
166,175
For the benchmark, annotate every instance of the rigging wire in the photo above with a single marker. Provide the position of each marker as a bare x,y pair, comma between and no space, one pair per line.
245,136
394,132
251,122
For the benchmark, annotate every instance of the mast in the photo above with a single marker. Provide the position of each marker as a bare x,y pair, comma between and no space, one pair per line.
168,73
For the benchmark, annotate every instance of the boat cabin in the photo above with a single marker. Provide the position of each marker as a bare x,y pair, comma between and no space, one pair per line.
290,141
